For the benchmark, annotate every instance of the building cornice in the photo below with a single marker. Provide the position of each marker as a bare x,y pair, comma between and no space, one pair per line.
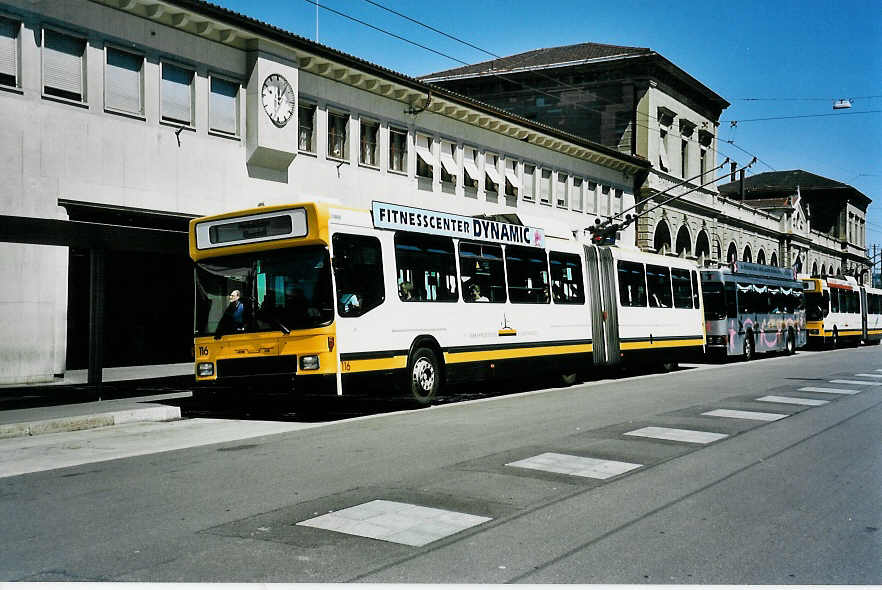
223,26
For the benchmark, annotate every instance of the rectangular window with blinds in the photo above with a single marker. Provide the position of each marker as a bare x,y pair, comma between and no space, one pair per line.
177,95
123,81
223,106
64,59
9,52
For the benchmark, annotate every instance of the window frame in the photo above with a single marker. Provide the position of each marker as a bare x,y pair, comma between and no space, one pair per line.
684,302
141,112
562,201
642,296
15,58
528,189
470,156
451,176
466,295
451,270
83,101
166,120
363,123
566,260
654,291
304,105
237,106
491,176
424,169
510,252
397,130
542,200
331,133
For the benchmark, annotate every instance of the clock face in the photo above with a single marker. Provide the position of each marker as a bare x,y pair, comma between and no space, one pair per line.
278,99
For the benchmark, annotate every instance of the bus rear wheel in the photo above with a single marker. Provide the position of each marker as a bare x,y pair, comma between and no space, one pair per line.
747,350
834,341
424,376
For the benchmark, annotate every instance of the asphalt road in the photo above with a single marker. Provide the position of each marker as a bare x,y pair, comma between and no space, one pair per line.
224,495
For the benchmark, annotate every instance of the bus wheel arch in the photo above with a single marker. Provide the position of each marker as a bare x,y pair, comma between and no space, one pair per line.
425,370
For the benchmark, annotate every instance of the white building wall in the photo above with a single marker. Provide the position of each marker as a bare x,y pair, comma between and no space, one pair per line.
52,149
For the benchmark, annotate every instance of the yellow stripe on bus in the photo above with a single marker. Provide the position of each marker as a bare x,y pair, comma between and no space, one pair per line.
845,333
660,344
511,353
379,364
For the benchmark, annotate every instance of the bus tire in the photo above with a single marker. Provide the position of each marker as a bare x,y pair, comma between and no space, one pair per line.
423,376
834,340
747,349
790,343
567,379
668,366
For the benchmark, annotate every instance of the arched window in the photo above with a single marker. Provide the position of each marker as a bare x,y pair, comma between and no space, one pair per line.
684,243
662,240
774,260
823,270
732,253
702,245
747,257
761,257
838,272
815,268
798,264
718,250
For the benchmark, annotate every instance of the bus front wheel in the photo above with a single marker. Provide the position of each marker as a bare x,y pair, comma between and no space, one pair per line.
424,376
835,339
790,345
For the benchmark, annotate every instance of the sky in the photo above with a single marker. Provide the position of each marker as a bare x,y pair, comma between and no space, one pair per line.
798,57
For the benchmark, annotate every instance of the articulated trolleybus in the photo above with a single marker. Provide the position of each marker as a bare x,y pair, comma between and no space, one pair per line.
753,308
839,310
325,298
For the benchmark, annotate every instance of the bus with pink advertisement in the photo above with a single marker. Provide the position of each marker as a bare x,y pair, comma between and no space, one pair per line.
752,308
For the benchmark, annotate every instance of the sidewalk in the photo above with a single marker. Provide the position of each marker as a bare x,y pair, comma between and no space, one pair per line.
130,394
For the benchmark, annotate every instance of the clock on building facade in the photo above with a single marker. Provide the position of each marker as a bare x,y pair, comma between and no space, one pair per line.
278,99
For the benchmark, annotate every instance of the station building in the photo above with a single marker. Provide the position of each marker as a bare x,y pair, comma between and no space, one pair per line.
636,101
120,120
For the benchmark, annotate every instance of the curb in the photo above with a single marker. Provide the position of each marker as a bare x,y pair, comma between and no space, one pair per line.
72,423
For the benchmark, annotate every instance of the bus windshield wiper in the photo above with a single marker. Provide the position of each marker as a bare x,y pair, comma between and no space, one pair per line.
285,330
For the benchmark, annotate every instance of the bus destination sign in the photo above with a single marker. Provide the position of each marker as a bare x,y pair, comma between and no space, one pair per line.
398,217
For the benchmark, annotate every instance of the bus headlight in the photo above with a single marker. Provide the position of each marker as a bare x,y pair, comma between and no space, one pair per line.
309,362
205,369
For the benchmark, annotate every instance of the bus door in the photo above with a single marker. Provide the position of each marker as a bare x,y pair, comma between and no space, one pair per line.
863,301
604,313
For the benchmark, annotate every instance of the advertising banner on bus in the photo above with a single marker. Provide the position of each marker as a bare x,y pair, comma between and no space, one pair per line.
399,217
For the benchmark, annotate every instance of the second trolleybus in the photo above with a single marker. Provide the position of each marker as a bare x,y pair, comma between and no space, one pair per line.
752,308
840,311
330,299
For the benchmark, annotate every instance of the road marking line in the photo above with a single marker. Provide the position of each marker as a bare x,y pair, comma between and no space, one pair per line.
574,465
396,522
850,382
801,401
678,434
830,390
744,415
874,376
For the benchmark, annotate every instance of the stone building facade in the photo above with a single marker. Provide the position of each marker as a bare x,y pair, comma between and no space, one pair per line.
636,101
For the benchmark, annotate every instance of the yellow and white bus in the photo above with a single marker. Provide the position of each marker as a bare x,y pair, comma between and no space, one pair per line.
333,299
839,310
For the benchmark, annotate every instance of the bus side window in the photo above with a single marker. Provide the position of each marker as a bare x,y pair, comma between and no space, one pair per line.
358,270
731,300
482,275
527,270
426,267
695,301
834,300
632,284
566,278
682,288
658,282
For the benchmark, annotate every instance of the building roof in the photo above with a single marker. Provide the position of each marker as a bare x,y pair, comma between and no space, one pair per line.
569,56
766,184
260,28
545,58
775,203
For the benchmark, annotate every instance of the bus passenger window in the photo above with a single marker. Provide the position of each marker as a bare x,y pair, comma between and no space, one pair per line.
566,278
527,275
632,284
358,270
426,268
732,295
658,283
682,288
834,300
482,274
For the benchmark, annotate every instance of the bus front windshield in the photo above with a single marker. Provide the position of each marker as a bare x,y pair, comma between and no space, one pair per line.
817,306
714,301
281,290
